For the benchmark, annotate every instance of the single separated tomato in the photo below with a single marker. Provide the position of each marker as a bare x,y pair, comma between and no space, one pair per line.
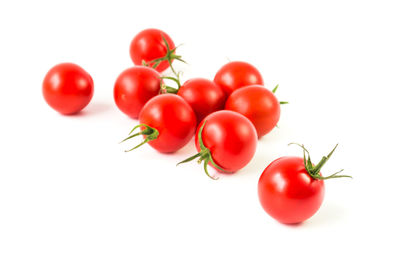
291,189
154,48
225,140
258,104
67,88
237,74
134,87
203,95
167,123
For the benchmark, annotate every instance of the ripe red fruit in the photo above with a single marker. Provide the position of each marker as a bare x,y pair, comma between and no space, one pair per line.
167,123
134,87
225,140
203,95
291,189
67,88
237,74
150,45
258,104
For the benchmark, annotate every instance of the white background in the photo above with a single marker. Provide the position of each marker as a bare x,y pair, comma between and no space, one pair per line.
69,193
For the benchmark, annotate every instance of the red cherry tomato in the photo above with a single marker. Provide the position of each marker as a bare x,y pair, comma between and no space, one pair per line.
258,104
67,88
237,74
167,123
134,87
203,95
288,193
291,189
149,45
231,139
225,140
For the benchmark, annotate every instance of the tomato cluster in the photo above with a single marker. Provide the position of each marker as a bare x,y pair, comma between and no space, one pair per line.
226,115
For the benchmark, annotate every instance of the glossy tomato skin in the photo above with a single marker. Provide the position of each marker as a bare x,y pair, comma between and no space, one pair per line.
237,74
231,139
173,118
203,95
67,88
258,104
134,87
148,45
288,193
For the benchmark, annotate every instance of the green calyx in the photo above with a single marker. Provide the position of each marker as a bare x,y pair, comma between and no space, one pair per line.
204,155
314,171
169,56
150,133
169,89
274,90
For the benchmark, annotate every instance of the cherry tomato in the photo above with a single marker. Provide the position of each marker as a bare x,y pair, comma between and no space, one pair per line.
258,104
291,189
225,140
149,45
237,74
231,139
288,193
67,88
167,123
203,95
134,87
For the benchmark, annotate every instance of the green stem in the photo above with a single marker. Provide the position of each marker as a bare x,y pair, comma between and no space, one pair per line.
169,56
204,155
317,168
169,89
149,132
274,90
190,158
176,80
314,171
